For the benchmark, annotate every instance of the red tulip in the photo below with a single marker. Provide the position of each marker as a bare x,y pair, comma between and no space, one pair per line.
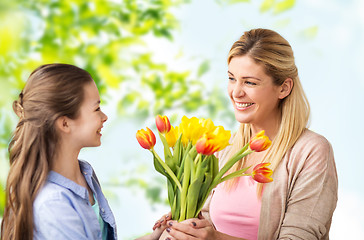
146,138
262,174
260,142
163,124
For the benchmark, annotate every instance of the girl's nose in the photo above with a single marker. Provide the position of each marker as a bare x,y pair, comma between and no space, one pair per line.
104,117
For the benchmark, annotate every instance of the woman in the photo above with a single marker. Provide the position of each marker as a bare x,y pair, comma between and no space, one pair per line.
266,93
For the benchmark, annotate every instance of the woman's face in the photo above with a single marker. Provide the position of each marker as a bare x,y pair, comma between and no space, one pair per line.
254,96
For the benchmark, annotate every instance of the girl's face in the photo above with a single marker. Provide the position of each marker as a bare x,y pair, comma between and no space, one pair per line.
86,128
254,96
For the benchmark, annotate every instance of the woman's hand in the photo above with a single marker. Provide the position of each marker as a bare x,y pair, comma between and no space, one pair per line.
192,229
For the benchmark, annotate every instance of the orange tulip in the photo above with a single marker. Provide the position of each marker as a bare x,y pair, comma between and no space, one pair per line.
260,142
262,174
163,124
205,147
146,138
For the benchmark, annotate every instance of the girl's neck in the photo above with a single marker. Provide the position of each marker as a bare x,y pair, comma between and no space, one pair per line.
65,162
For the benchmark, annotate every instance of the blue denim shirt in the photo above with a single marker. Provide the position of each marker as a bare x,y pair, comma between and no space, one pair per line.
62,209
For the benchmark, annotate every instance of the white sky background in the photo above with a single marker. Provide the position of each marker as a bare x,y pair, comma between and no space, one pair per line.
331,70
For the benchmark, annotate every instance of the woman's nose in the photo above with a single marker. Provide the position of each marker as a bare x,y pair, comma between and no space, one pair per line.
238,91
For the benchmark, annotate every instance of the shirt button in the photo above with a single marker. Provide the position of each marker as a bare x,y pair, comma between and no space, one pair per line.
102,210
85,173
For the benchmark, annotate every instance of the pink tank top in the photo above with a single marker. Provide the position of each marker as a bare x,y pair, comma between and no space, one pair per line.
236,212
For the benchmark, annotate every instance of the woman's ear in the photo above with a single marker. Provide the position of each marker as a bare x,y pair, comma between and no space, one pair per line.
62,124
285,88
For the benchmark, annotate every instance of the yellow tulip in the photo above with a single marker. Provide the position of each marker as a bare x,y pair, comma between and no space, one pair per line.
172,136
212,142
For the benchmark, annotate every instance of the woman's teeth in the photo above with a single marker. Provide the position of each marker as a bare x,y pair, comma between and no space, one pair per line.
243,105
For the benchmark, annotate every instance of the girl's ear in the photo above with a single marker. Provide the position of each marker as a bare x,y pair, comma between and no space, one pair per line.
285,88
62,124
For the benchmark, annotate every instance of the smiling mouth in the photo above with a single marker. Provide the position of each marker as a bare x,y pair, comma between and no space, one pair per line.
98,131
243,105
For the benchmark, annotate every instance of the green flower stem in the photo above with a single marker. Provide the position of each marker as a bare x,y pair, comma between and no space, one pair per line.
242,153
167,169
239,155
185,184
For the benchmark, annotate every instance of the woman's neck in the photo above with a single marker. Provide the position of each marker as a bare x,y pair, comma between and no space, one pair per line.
270,126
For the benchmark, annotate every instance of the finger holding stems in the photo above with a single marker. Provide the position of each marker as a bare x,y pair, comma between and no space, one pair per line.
162,221
192,229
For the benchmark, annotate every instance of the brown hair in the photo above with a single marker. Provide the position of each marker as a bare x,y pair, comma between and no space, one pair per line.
274,53
52,91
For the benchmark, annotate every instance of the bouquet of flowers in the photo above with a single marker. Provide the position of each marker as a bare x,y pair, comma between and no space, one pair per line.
190,166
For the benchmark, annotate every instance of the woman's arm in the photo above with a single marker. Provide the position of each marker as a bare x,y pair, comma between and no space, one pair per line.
300,202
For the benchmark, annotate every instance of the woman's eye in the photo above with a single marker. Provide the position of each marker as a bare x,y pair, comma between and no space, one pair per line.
98,109
250,83
231,79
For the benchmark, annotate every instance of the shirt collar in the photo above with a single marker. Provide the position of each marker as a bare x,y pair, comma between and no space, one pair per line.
60,180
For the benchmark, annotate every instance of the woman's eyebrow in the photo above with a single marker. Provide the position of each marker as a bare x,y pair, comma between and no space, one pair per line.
246,77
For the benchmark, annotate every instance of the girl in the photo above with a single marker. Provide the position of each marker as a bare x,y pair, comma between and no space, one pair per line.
50,193
266,93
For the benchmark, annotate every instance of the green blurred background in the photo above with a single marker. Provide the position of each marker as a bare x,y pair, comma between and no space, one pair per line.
169,57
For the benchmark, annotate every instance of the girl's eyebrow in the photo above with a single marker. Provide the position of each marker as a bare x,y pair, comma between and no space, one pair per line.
247,77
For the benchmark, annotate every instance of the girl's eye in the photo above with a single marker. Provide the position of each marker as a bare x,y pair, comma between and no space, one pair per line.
231,79
98,109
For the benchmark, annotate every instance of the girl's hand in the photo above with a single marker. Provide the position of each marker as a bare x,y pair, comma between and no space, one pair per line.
159,227
192,229
162,221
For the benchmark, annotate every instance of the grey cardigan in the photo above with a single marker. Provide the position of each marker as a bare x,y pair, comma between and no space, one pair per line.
300,201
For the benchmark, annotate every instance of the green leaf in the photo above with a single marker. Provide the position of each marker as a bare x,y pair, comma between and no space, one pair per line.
167,153
284,6
176,209
310,32
237,1
204,67
158,166
177,151
266,5
171,193
185,186
2,200
192,196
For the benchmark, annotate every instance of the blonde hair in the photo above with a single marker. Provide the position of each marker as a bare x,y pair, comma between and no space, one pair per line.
274,53
51,91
